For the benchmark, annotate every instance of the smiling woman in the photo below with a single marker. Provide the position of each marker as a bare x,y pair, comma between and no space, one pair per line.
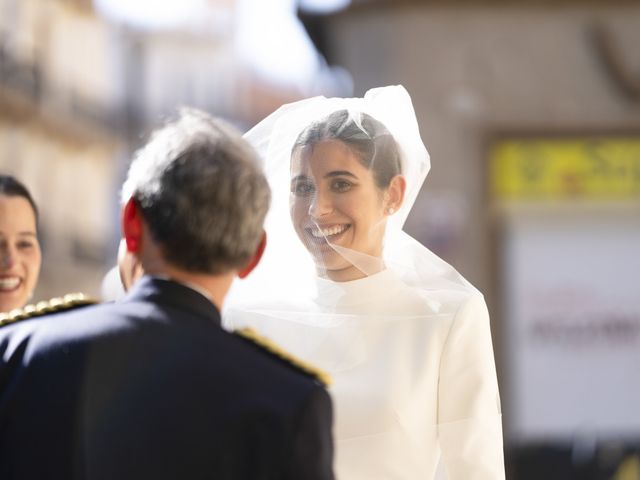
404,336
20,256
346,180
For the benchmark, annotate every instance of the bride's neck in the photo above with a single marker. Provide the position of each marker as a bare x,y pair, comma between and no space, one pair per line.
349,274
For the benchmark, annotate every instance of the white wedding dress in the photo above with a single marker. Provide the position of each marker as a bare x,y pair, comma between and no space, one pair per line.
413,376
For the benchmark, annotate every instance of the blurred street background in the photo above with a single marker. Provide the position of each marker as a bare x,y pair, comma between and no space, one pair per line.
530,110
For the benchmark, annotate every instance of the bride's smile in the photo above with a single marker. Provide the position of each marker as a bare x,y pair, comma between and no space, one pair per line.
322,234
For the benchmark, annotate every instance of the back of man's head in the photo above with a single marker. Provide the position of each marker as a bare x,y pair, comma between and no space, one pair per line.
200,189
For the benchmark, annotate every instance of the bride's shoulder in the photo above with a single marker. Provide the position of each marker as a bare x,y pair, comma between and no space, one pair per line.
441,302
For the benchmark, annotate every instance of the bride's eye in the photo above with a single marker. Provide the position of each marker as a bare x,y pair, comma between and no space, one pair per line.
339,185
302,188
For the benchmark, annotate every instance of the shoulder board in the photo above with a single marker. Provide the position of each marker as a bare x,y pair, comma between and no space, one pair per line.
273,348
57,304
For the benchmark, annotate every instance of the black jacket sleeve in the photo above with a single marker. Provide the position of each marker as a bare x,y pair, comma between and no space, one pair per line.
312,447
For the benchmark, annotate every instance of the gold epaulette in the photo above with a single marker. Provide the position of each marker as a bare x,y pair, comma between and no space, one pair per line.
57,304
277,350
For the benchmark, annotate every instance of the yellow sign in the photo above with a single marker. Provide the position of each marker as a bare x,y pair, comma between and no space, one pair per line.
549,168
629,469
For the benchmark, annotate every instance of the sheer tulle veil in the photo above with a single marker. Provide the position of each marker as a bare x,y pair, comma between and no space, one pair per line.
287,272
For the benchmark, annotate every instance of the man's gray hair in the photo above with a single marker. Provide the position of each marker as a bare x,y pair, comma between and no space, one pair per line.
200,188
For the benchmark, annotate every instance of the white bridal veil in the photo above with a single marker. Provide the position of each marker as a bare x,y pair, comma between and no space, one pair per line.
287,270
405,337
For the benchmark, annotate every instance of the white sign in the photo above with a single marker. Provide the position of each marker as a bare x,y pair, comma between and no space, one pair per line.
572,319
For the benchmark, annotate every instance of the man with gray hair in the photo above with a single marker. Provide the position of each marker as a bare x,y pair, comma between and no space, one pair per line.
152,386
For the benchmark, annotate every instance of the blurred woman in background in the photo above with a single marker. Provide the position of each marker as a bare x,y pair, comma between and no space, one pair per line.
20,256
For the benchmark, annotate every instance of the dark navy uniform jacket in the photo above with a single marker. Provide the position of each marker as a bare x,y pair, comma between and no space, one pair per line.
153,388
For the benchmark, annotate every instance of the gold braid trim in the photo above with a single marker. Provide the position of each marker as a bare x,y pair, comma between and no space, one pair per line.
57,304
277,350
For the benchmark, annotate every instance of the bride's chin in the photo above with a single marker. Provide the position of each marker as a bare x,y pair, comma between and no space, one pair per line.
330,260
318,248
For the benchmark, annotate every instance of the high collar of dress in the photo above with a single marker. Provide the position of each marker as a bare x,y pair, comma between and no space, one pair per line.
355,292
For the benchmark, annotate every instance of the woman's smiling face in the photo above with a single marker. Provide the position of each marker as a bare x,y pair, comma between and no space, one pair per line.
20,256
335,201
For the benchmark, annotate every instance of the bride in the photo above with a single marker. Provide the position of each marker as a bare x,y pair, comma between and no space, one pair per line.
404,336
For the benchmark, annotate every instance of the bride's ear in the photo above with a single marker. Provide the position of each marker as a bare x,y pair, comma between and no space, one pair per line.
255,259
395,194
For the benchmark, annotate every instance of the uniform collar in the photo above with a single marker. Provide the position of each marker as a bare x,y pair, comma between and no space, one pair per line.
169,292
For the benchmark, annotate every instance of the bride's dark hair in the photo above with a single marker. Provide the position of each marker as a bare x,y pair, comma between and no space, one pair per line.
367,137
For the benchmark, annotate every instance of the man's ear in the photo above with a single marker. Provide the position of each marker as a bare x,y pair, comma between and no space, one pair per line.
132,226
255,259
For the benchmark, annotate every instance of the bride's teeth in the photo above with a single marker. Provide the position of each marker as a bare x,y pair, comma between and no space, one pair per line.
327,232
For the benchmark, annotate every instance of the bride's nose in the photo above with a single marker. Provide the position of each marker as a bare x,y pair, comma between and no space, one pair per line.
320,204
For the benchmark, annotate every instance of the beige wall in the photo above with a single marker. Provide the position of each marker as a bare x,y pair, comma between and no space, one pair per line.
66,159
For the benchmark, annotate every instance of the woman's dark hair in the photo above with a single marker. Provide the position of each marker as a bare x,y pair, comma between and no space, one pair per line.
367,137
11,187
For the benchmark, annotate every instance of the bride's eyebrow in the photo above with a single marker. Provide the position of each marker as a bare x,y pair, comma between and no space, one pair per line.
340,173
